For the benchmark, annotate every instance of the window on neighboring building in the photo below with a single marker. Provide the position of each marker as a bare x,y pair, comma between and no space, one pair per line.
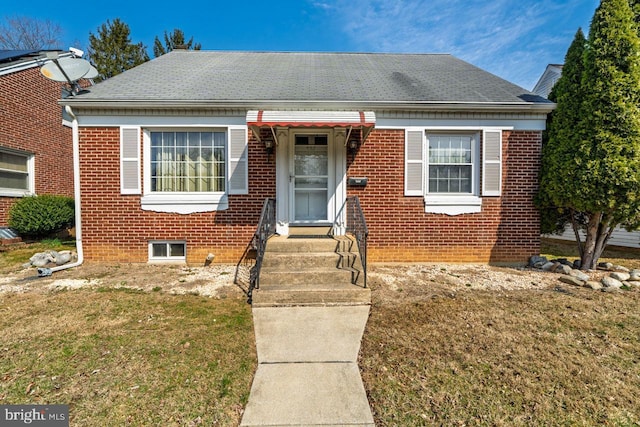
167,251
15,173
188,161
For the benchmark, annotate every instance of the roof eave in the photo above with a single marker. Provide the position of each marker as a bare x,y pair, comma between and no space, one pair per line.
539,107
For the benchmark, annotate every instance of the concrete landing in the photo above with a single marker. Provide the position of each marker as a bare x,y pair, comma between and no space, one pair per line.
307,368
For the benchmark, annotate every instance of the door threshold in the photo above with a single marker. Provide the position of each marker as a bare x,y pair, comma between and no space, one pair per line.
311,229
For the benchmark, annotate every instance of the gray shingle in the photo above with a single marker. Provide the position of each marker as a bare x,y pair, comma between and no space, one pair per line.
286,76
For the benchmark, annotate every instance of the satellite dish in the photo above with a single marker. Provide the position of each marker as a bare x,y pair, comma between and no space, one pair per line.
92,74
66,70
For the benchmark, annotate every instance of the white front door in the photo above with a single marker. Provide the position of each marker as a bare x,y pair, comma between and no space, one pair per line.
310,181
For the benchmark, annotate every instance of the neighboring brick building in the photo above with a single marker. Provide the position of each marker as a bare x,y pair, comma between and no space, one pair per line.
177,155
35,146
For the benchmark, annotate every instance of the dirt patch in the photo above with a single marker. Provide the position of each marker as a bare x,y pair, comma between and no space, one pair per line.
216,280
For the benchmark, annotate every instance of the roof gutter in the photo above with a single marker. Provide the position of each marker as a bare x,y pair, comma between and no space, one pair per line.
537,107
42,272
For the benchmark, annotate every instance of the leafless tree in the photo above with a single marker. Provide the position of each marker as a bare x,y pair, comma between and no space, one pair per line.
24,32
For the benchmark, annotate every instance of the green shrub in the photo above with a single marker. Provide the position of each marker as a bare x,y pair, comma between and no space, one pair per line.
41,216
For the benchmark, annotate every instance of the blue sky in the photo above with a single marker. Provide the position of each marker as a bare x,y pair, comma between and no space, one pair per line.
514,39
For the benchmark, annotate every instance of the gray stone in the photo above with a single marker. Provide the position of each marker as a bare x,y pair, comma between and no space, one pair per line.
634,275
605,266
596,286
577,264
548,266
579,275
40,259
634,283
620,276
571,280
62,258
610,282
564,269
621,268
537,261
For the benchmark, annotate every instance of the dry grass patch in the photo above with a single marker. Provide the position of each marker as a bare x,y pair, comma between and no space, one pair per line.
557,355
123,357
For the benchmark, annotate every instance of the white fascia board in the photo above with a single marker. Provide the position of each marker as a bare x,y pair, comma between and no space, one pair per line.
463,124
160,121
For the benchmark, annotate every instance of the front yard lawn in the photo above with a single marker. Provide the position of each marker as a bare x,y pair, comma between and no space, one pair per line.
121,357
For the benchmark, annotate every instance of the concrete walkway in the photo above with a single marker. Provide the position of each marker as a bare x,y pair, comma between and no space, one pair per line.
307,367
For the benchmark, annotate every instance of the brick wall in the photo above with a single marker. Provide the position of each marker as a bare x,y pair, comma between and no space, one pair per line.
31,121
115,228
507,229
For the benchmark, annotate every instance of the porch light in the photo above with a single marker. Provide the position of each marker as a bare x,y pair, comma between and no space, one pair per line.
268,145
352,145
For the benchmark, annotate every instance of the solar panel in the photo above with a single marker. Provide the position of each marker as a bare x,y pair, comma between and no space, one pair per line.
14,54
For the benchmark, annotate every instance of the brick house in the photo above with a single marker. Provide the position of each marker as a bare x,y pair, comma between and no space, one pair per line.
36,155
177,156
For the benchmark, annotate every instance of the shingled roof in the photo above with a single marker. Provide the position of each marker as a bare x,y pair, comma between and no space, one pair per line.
252,79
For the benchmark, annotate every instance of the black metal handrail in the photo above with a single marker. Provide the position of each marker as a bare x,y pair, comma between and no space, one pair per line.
357,226
266,228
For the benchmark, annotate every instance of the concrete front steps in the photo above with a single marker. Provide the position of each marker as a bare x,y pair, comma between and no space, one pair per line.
306,269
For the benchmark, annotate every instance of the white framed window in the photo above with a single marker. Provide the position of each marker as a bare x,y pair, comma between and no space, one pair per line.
16,173
186,169
444,167
167,251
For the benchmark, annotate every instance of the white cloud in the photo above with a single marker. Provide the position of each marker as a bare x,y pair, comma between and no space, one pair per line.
510,38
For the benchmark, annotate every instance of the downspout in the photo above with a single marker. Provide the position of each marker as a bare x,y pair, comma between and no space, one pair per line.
42,272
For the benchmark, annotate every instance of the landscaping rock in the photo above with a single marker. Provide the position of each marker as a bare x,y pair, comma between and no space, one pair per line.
620,276
634,275
548,266
580,275
564,269
610,282
63,258
596,286
620,268
571,280
577,264
607,266
537,261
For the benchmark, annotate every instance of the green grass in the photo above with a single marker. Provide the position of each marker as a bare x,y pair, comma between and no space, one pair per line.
128,358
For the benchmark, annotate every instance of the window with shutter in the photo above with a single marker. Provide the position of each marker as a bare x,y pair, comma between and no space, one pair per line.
414,163
130,160
492,163
238,161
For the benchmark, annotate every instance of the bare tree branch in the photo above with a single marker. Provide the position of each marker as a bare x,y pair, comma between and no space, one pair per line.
24,32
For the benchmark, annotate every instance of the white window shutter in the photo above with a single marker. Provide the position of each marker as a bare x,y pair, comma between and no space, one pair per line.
492,163
414,163
130,160
238,161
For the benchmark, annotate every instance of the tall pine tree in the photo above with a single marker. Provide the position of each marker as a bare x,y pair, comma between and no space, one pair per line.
592,165
112,51
172,41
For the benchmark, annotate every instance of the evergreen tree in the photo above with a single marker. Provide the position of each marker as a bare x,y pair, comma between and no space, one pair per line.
172,41
559,139
592,162
112,51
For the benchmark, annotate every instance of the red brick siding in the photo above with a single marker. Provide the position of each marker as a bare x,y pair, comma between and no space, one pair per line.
115,228
507,229
31,121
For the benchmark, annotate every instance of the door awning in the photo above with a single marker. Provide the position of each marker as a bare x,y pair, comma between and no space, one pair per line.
364,120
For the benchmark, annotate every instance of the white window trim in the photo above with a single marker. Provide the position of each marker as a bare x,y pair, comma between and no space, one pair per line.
181,202
31,176
168,259
454,204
